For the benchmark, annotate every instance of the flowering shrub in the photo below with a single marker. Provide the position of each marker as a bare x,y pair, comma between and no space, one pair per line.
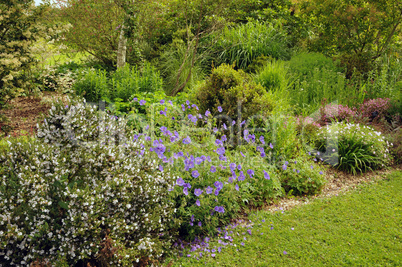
85,189
332,112
302,177
375,108
353,147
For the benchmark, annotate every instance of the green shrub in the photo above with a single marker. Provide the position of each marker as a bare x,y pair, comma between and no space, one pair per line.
245,42
304,63
273,76
128,80
85,189
230,88
395,139
92,84
302,176
353,148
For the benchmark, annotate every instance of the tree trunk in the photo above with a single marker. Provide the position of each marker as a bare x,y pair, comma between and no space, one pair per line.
121,49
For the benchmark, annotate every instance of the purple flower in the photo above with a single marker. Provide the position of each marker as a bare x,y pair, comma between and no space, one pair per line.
180,181
195,173
233,122
266,175
321,173
198,160
197,202
142,102
192,218
200,224
242,154
207,113
297,171
218,185
284,253
262,139
198,192
213,168
237,187
216,193
161,168
219,209
262,154
242,243
286,162
209,190
220,150
241,176
187,102
162,101
232,166
242,123
284,167
183,107
239,167
225,127
271,145
224,138
311,167
187,140
250,173
187,185
218,142
220,109
185,191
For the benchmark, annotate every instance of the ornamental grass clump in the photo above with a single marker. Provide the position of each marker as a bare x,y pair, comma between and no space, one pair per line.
85,191
353,148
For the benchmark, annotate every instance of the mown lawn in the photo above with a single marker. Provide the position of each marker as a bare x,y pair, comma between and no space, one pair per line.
359,228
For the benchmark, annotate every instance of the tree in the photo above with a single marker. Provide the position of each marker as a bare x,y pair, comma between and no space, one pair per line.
19,30
358,31
96,27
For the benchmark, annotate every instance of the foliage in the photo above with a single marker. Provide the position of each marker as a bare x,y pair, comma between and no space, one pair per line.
334,112
273,76
316,78
302,177
359,31
95,28
375,108
92,84
232,90
19,30
243,43
353,148
129,80
395,139
95,198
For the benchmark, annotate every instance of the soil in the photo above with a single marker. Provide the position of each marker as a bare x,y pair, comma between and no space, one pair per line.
24,113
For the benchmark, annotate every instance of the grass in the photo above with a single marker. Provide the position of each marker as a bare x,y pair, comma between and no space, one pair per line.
359,228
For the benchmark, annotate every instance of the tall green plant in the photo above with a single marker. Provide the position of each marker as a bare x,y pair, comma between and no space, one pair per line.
245,42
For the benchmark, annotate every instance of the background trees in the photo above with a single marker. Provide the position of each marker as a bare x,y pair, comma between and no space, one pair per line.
358,32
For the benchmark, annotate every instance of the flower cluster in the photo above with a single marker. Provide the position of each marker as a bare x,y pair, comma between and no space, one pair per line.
332,112
83,184
375,108
353,147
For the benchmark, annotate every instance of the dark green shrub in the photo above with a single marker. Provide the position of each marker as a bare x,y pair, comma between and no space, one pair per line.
301,176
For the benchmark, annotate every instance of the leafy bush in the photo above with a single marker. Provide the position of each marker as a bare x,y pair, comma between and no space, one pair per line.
245,42
126,81
353,148
375,108
84,190
334,112
301,176
229,88
129,80
273,76
92,84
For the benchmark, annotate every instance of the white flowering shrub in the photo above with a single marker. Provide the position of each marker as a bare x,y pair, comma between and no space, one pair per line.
84,190
353,147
